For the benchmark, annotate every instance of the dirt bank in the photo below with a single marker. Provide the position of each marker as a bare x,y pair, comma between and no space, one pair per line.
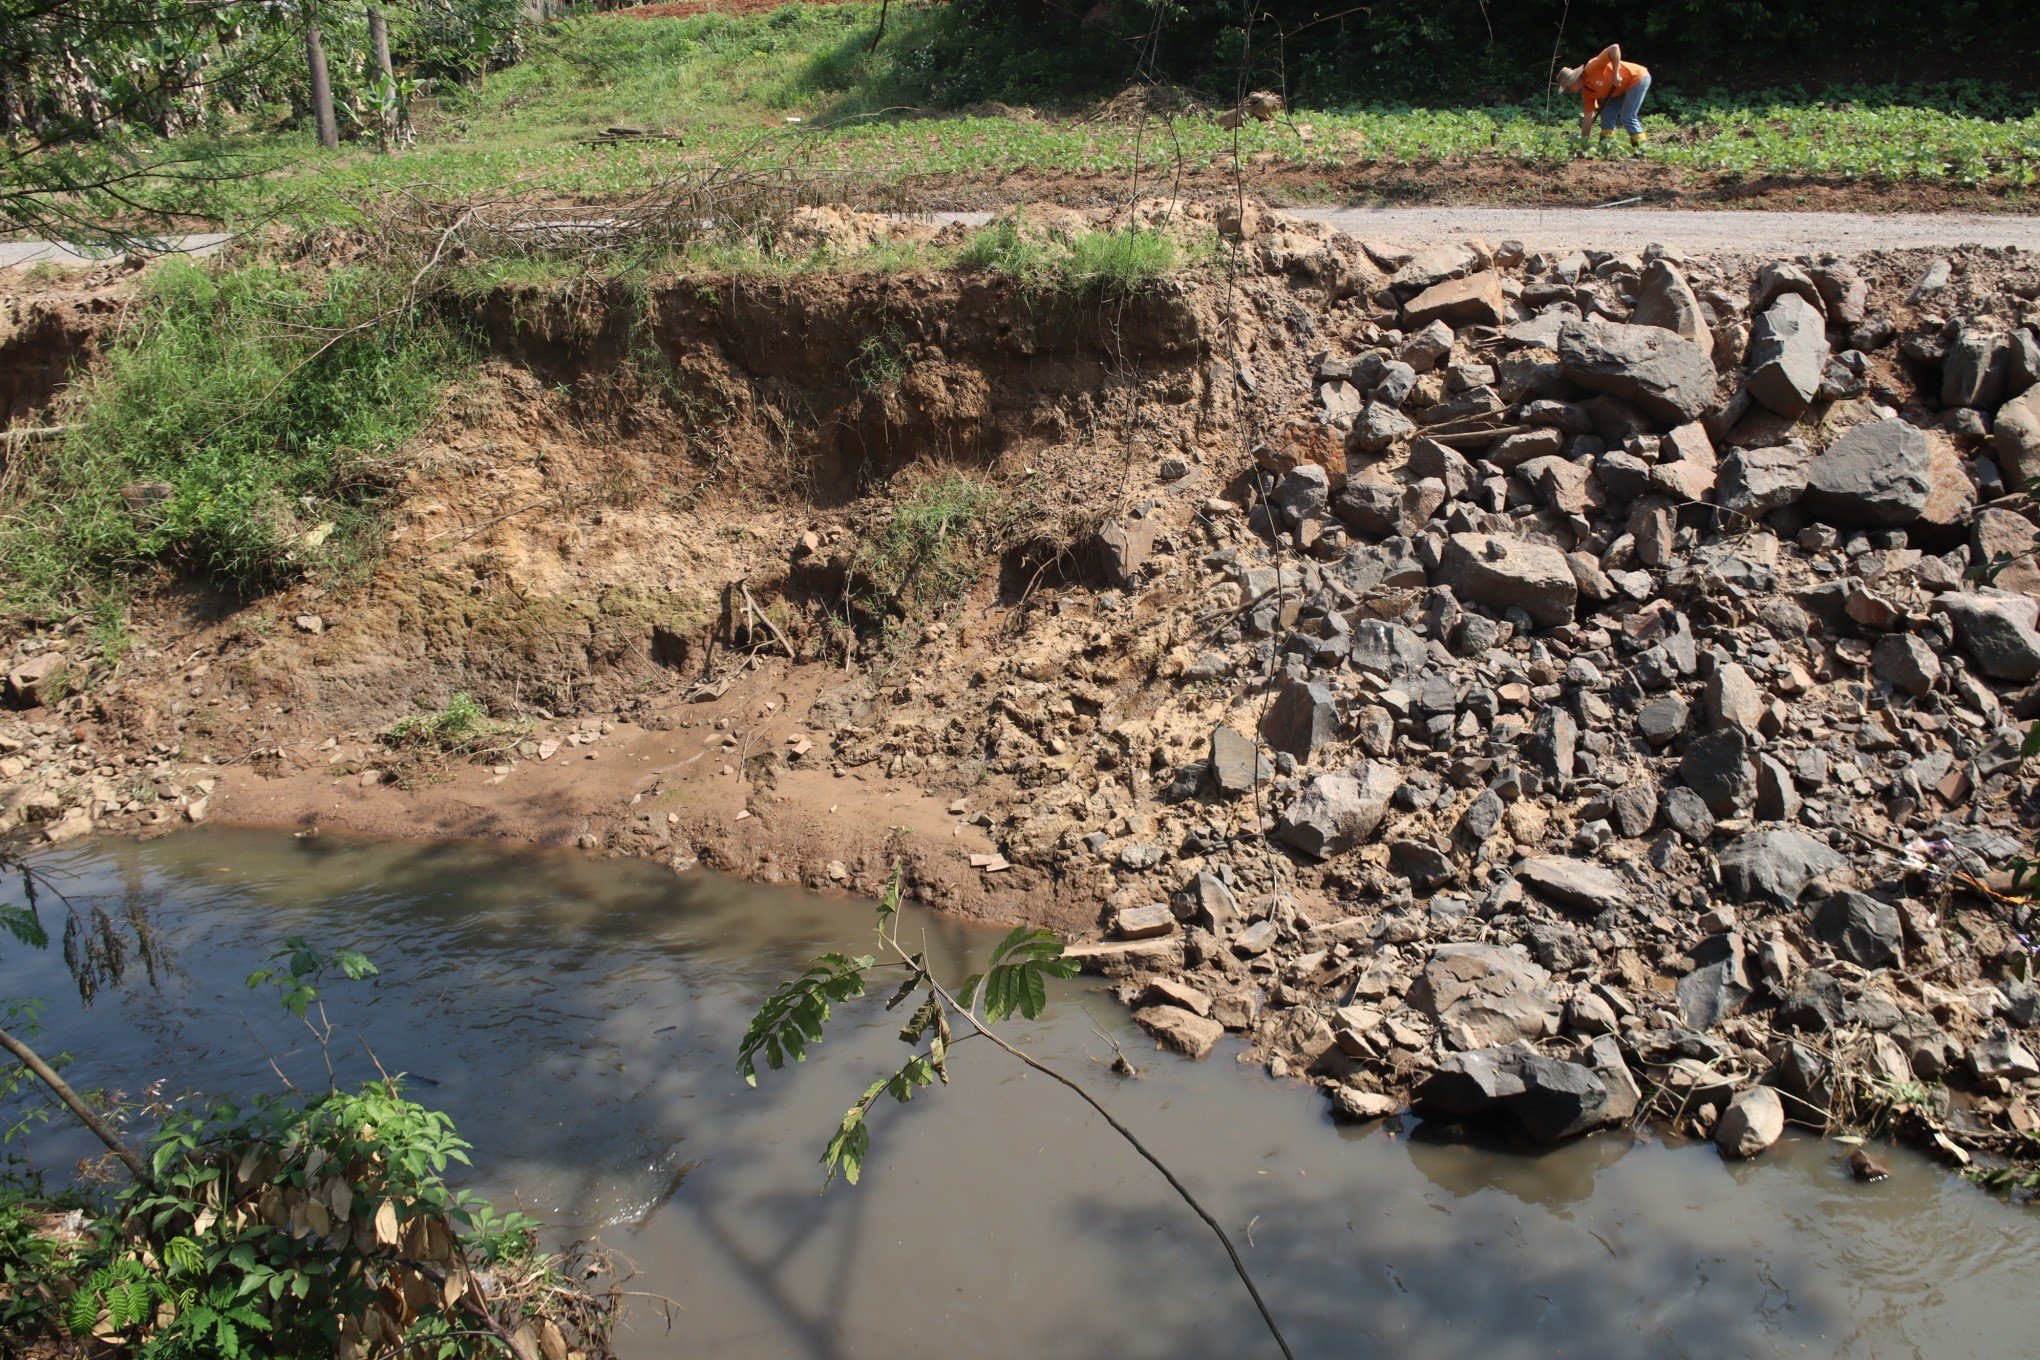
1457,711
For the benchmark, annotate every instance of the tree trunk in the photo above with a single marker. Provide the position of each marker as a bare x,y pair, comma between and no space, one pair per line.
396,118
84,1113
322,87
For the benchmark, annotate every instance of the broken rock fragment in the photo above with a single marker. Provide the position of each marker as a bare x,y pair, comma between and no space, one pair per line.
1483,996
1339,810
1501,572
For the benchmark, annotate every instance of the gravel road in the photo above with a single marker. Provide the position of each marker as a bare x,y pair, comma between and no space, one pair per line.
1634,228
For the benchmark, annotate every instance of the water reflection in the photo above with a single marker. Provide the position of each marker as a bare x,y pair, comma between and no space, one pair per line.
579,1019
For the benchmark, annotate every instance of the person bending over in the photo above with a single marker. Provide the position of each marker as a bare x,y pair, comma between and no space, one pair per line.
1614,89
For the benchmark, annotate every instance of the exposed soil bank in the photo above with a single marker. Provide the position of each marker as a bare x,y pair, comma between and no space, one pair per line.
1346,786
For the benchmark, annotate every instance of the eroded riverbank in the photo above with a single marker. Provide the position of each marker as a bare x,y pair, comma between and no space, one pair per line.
579,1018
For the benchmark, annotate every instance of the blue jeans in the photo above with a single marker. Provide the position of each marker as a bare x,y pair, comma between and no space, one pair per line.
1627,110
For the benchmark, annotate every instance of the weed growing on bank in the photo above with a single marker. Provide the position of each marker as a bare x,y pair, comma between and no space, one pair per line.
1087,263
462,728
934,543
243,430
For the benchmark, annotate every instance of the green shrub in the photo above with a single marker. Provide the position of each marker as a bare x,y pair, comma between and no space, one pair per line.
241,431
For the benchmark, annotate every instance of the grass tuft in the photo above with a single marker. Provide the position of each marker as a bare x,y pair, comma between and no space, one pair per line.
933,545
459,729
241,431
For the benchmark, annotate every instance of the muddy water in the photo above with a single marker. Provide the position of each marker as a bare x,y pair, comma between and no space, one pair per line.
578,1019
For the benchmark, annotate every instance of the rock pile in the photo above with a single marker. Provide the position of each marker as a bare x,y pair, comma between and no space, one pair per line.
1641,655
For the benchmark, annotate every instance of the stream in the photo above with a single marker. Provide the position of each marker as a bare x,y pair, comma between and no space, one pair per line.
579,1019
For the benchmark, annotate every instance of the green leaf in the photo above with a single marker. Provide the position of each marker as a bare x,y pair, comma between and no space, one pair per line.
795,1016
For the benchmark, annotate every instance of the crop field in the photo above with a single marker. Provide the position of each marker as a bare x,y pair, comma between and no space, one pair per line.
799,87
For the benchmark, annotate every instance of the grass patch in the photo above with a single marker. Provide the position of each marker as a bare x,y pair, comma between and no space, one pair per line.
241,431
1089,262
462,728
934,543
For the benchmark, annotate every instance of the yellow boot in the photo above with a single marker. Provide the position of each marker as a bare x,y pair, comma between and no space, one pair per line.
1636,141
1607,140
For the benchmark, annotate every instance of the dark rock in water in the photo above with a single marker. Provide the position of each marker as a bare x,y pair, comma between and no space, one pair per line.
1879,474
1864,1167
1753,1121
1861,929
1186,1032
1302,719
1549,1098
1719,984
1575,884
1774,863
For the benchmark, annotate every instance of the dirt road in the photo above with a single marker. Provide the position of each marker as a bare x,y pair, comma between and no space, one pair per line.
1633,228
1538,228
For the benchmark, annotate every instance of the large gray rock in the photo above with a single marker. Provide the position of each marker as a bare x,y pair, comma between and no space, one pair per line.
1664,299
1719,768
1754,482
1236,763
1303,718
1339,810
1754,1120
1719,984
1575,884
1502,572
1878,474
1475,300
2006,541
1997,629
1974,371
1389,650
1483,996
1550,1099
1788,353
1774,863
1667,377
1906,663
2016,432
1861,929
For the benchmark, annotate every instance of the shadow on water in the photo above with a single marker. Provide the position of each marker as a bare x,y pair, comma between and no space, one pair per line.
579,1020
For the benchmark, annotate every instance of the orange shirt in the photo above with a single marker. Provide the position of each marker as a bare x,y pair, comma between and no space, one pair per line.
1603,80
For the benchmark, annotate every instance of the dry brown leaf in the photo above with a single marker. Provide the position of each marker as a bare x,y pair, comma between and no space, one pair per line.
386,1233
340,1195
551,1341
